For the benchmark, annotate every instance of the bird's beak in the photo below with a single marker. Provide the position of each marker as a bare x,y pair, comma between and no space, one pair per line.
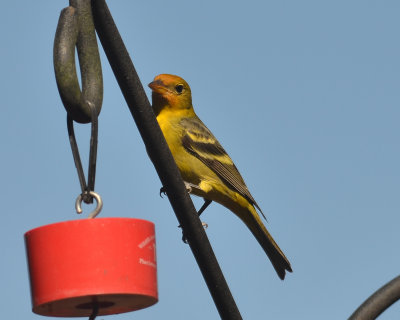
157,86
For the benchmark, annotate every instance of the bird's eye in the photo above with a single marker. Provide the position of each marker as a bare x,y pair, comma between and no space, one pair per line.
179,88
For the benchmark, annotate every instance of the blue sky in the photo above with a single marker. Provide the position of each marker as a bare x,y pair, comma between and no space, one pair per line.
304,95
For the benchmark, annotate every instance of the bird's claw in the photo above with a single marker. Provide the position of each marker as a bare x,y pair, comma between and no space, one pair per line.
163,192
184,239
188,187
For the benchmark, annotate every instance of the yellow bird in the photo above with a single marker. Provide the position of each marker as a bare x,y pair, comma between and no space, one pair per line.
206,168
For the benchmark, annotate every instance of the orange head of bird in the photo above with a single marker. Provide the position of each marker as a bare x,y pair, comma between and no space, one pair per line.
170,91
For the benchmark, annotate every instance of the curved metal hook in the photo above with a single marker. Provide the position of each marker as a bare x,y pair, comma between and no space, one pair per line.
96,211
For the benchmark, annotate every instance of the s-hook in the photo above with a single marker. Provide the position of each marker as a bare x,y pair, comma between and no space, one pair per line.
96,211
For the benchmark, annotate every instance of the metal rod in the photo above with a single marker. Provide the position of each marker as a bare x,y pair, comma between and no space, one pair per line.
379,301
161,157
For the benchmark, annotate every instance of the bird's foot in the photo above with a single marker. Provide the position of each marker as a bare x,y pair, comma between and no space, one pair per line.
188,186
184,239
163,192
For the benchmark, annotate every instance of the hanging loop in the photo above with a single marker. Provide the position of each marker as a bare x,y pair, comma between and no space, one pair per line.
98,208
85,188
76,29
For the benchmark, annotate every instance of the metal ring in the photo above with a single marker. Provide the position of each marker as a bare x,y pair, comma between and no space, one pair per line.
98,208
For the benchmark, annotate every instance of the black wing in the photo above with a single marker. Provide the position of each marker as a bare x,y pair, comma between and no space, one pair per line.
201,143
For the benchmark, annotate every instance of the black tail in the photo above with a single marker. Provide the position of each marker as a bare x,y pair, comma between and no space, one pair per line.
274,253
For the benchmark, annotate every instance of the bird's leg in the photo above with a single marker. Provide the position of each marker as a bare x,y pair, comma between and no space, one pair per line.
199,212
189,187
204,206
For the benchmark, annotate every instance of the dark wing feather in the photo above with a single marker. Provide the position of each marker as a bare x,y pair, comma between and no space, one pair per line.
201,143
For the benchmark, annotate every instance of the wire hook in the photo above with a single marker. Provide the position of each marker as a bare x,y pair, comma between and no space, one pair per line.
92,154
98,208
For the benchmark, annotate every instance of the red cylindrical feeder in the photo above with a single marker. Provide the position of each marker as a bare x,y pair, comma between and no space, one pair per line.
108,264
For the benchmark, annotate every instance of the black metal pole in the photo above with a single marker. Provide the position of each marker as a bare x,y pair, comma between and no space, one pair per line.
161,157
379,301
